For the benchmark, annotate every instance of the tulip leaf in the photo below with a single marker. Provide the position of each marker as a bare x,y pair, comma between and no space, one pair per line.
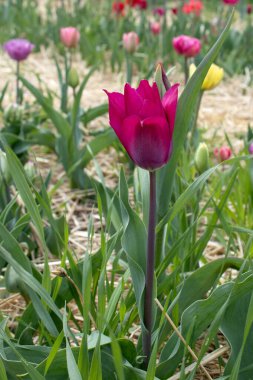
202,313
186,106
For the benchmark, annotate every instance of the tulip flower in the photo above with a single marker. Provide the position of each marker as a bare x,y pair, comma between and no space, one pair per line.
118,7
188,47
231,2
193,6
155,27
213,77
141,4
249,9
174,11
222,154
144,123
70,37
251,148
130,43
18,49
159,11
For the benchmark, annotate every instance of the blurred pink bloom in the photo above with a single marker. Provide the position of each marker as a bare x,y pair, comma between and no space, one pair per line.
144,123
18,48
70,36
222,154
160,11
130,41
155,27
186,45
251,148
231,2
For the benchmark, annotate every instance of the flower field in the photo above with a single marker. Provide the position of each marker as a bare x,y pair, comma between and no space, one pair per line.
126,189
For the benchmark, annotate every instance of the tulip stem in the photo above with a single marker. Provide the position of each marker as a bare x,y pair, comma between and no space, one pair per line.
17,83
129,68
186,69
150,267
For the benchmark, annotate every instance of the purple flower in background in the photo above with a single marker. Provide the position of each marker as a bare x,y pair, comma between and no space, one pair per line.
251,148
18,48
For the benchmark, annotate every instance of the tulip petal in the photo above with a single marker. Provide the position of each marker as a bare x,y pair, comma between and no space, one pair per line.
145,90
116,111
133,101
149,143
169,102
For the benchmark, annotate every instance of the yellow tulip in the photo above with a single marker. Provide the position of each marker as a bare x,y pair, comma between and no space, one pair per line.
213,77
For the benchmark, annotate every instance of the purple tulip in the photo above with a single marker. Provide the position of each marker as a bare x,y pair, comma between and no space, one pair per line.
18,48
251,148
144,122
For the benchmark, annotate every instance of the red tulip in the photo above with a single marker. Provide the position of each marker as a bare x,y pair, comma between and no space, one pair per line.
193,6
186,45
231,2
142,4
155,27
118,7
174,11
130,41
222,154
70,36
160,11
144,122
249,9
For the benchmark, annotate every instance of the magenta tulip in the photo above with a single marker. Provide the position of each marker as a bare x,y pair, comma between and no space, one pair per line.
186,45
18,49
159,11
144,122
231,2
70,36
251,148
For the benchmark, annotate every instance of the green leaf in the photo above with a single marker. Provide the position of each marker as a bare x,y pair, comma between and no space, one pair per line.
58,120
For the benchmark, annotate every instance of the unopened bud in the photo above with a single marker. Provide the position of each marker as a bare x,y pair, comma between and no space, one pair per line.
161,80
73,78
201,158
4,169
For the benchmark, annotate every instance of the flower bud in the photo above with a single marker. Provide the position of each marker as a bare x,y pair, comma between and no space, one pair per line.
30,170
73,78
201,158
130,42
155,27
222,154
13,114
212,78
161,80
4,169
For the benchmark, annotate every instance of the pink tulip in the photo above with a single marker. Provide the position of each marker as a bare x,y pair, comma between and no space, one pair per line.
231,2
155,27
130,41
144,123
186,45
249,9
222,154
70,36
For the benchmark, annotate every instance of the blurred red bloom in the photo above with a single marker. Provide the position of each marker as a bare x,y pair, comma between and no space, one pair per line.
249,9
160,11
118,7
155,27
186,45
142,4
231,2
174,11
193,6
